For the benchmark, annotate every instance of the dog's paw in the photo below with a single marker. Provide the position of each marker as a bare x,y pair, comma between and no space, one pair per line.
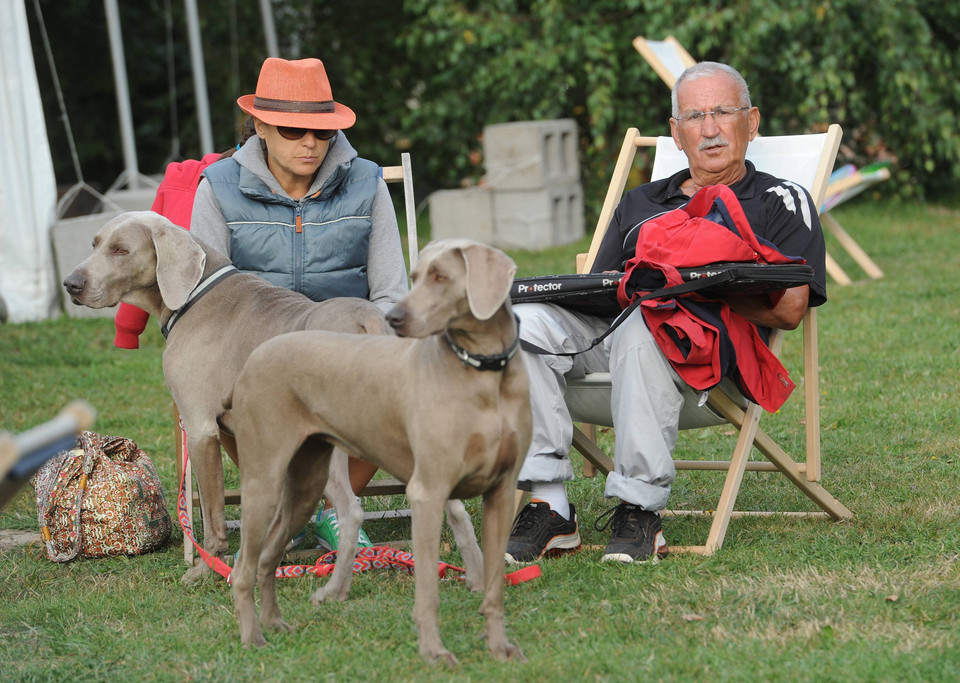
328,593
278,624
194,575
254,638
439,655
508,653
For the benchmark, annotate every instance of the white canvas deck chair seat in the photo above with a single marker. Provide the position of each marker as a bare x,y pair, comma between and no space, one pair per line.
668,59
378,487
806,160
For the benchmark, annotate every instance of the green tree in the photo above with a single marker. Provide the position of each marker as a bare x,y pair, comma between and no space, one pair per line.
428,75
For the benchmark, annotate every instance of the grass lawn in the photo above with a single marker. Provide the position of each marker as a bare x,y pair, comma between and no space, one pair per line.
786,598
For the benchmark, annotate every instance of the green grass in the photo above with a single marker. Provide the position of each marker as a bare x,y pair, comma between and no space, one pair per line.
786,598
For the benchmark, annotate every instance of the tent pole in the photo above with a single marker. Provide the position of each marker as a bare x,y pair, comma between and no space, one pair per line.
123,94
199,77
269,29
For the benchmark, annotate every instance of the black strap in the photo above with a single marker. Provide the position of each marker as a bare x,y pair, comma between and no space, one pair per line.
494,362
672,292
196,295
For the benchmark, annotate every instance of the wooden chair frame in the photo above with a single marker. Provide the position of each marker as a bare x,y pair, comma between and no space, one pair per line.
378,487
729,408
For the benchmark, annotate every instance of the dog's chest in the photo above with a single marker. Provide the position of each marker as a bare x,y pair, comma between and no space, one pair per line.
487,456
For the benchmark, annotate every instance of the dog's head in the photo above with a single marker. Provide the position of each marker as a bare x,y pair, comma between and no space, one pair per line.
453,279
135,255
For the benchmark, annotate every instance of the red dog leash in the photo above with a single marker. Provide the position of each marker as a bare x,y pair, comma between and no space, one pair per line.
376,557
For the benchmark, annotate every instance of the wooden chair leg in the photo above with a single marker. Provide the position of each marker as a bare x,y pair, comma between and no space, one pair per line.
590,432
852,247
589,449
836,272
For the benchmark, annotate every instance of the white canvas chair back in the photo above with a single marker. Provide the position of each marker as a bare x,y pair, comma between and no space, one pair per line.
667,57
795,158
805,160
378,487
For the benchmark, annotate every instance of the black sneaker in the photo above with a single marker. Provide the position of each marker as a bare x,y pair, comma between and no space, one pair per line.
637,535
538,530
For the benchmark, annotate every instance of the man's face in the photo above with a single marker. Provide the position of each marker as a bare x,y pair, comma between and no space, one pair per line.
715,146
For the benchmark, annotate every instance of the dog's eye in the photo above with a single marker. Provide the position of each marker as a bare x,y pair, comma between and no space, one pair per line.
439,277
120,251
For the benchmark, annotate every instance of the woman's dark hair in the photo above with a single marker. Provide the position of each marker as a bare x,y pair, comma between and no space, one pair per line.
247,131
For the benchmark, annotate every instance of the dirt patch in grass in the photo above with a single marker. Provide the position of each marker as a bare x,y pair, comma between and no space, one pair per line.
13,538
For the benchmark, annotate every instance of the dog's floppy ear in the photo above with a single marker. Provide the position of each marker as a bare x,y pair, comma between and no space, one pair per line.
180,263
489,276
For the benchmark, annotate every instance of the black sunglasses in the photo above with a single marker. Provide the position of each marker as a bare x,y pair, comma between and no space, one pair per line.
297,133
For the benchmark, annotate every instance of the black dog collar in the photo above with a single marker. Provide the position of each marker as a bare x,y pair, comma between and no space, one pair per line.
475,360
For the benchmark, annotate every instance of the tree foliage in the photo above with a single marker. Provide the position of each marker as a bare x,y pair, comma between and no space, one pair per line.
428,75
885,71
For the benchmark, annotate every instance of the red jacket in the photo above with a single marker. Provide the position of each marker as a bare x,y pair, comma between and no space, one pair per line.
175,201
692,343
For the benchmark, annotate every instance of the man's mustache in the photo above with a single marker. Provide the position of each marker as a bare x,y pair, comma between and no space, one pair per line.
715,141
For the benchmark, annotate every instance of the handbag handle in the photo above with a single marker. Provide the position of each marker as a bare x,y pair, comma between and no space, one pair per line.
76,530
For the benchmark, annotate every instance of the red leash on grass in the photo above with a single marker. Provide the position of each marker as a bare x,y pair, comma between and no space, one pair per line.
376,557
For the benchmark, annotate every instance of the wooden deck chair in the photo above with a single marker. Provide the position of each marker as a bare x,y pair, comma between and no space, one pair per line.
378,487
807,160
847,182
668,58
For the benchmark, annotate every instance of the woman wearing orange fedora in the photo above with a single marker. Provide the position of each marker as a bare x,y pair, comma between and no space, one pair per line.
297,206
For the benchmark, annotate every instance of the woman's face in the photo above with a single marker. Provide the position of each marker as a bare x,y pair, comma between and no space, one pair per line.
294,163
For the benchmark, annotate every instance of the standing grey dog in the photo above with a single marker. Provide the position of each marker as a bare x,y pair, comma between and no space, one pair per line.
445,408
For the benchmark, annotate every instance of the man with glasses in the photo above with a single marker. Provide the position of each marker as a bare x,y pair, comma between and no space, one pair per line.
713,121
296,205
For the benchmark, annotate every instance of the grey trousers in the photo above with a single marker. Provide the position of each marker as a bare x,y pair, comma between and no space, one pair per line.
647,398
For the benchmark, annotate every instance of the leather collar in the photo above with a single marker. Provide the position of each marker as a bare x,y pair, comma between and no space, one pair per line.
205,286
479,362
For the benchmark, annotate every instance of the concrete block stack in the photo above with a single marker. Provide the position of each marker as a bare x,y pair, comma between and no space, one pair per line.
532,198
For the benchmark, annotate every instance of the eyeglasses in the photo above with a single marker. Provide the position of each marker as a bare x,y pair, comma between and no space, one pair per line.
720,115
297,133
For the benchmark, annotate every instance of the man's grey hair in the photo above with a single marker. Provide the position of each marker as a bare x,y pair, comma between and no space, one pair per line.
705,69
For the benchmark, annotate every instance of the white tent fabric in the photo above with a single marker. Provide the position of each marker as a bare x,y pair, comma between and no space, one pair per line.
28,188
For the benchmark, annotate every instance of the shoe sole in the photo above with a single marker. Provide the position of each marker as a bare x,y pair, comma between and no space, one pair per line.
295,542
329,548
661,552
558,545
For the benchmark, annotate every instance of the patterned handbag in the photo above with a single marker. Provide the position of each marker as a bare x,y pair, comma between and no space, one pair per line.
101,498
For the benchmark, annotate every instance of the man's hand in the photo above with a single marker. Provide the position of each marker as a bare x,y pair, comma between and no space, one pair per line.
786,315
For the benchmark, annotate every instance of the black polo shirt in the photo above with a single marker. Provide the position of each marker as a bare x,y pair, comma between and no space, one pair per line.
778,210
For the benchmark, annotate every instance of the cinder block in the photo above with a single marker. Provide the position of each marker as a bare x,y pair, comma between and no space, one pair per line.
140,199
529,155
462,213
72,243
536,219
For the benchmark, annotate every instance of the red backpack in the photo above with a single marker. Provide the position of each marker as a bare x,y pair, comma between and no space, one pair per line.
703,339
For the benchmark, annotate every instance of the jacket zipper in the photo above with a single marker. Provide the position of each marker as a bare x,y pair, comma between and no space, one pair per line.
298,249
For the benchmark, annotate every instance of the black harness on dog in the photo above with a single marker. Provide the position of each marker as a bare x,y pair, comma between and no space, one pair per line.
198,292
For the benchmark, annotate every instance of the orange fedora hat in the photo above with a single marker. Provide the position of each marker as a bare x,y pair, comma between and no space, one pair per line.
296,93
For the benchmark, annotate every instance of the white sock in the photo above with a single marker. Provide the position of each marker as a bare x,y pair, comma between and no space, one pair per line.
554,494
